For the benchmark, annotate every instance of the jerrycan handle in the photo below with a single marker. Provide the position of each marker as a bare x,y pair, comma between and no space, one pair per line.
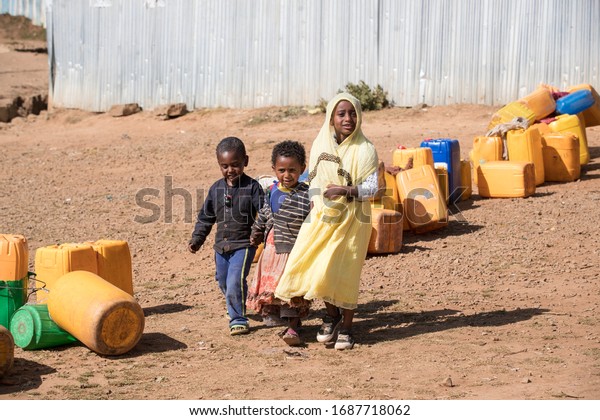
32,276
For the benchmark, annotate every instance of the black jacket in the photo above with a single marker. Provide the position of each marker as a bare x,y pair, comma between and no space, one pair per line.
233,209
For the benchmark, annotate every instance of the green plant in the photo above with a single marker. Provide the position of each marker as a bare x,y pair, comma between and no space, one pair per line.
370,99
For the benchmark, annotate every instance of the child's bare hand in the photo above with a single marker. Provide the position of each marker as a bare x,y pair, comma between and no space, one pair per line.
256,238
332,191
392,170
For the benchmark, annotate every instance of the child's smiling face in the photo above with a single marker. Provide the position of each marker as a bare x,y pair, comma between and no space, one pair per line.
232,164
344,120
288,171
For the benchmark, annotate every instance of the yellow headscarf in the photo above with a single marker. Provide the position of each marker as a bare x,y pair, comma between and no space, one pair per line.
331,247
349,163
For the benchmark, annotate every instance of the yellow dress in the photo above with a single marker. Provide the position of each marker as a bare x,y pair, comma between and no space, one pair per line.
331,247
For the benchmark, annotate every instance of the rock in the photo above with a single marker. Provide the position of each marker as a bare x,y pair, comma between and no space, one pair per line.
447,382
17,120
171,111
124,110
35,104
11,108
8,111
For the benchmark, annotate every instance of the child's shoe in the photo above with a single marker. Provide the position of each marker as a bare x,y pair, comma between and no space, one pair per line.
239,329
291,338
329,328
344,341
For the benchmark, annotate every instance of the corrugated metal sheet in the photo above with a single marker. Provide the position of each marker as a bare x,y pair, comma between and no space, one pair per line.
241,53
32,9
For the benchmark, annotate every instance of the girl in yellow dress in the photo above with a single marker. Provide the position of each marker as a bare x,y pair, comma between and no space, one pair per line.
331,247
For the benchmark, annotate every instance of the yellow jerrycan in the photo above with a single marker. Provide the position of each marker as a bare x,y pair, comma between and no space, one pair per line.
105,318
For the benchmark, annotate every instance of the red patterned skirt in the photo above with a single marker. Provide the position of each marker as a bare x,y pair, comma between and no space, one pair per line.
269,269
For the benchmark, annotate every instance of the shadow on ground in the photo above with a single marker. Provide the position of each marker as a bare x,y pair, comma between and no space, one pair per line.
169,308
25,375
374,323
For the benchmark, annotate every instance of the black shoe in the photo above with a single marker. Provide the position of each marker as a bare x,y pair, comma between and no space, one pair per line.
329,328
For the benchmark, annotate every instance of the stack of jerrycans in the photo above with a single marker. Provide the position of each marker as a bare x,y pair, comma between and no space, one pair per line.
110,259
400,157
89,296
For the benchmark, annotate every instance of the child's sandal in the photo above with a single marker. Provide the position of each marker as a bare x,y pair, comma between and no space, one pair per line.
239,329
291,338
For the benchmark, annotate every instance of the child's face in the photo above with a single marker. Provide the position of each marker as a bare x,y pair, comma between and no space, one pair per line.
344,120
288,171
232,165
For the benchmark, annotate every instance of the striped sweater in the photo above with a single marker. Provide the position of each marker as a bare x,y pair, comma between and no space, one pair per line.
287,221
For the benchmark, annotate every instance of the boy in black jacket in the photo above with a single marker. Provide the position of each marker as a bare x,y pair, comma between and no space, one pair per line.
232,203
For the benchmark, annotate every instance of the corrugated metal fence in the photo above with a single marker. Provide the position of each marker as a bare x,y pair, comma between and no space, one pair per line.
242,53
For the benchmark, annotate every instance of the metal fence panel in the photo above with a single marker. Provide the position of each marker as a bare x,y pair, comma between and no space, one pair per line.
242,53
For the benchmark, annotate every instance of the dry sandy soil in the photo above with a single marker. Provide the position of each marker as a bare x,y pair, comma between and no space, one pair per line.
504,301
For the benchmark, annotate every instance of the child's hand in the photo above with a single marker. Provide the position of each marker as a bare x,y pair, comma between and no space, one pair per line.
332,191
256,238
392,170
192,248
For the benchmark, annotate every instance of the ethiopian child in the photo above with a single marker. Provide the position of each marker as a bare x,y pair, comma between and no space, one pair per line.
331,246
232,203
286,206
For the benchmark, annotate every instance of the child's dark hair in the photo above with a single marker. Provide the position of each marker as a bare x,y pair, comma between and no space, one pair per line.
231,144
289,148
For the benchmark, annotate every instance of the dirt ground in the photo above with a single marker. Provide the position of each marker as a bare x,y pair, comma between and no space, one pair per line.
504,301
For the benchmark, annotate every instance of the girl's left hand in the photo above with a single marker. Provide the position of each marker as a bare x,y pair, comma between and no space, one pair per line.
332,191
